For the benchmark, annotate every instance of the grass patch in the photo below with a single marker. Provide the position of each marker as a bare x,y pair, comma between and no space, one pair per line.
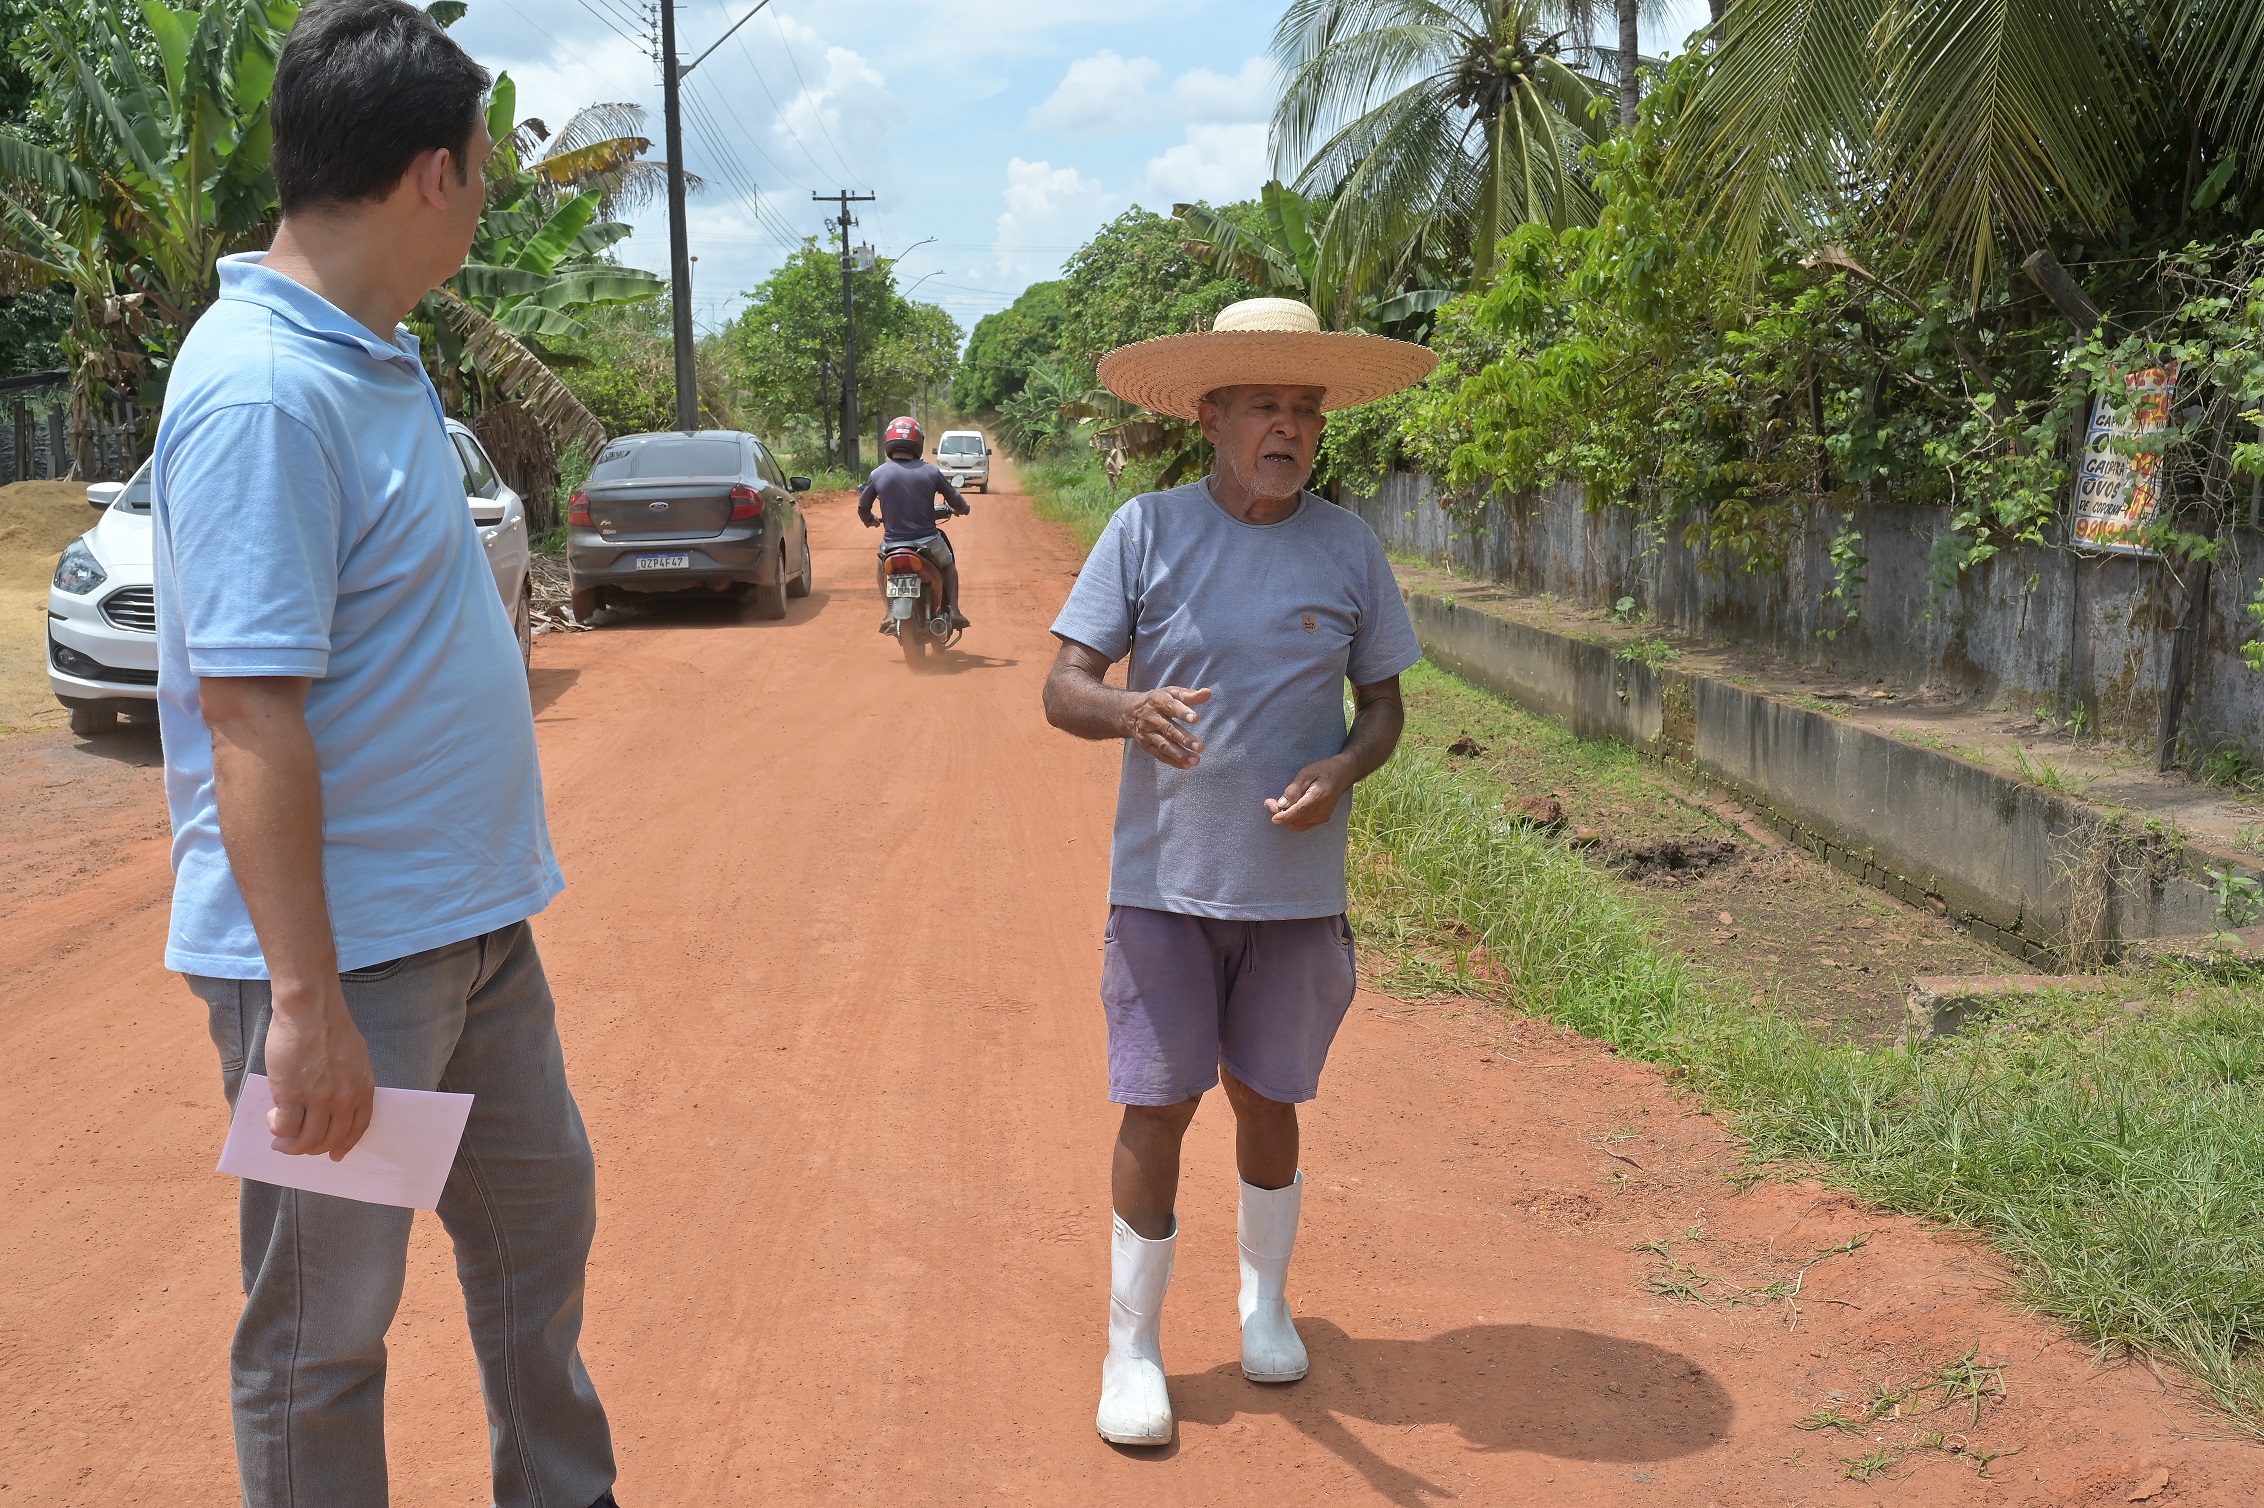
2041,772
1072,489
1598,778
2115,1155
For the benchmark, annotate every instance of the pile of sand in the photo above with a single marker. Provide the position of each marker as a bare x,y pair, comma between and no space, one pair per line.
36,520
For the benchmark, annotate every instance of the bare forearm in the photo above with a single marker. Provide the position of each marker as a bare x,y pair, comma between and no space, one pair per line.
1078,704
1375,734
267,787
267,784
1161,721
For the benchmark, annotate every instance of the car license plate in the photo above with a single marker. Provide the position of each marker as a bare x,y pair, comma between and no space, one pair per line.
903,586
664,562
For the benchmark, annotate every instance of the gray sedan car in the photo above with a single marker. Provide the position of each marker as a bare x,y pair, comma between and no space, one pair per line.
705,510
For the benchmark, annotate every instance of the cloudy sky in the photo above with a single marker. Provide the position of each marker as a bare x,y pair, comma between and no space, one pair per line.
1000,132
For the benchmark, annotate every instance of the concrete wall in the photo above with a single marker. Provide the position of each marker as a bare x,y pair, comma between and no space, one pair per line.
2032,627
2024,869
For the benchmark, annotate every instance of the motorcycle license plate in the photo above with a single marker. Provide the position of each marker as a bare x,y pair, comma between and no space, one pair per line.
903,586
664,562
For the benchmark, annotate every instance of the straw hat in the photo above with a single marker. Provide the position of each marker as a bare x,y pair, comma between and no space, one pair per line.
1263,340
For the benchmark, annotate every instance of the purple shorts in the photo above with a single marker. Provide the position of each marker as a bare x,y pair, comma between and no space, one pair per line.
1185,994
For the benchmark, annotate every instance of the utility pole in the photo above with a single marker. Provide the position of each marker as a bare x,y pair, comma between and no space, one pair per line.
848,326
679,250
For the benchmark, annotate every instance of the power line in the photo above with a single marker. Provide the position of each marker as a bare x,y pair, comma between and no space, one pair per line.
610,24
531,22
768,216
779,110
734,171
732,111
816,113
727,163
631,16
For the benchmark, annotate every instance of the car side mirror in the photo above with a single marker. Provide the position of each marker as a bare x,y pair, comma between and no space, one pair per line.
103,494
798,483
986,450
486,511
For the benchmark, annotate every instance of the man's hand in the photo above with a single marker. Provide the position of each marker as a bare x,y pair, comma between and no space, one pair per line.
1152,718
872,523
1310,799
318,1068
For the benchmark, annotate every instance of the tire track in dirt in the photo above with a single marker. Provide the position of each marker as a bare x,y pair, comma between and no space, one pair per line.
827,973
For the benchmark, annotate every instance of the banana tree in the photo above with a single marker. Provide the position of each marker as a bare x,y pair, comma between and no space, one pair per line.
540,256
165,171
1282,257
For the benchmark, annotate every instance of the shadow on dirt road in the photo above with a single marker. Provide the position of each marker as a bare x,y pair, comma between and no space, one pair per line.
1572,1394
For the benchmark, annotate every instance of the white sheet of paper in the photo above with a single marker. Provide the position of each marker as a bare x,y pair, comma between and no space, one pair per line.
403,1158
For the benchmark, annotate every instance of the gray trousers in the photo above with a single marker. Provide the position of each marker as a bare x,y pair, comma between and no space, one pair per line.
323,1275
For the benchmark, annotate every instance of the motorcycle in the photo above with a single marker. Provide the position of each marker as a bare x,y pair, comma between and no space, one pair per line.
917,613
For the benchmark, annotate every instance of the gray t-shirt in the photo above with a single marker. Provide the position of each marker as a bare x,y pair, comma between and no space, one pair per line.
1273,619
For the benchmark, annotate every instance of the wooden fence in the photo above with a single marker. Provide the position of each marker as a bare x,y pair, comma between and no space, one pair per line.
35,439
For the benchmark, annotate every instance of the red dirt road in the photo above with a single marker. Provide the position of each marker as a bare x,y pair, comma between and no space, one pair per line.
827,979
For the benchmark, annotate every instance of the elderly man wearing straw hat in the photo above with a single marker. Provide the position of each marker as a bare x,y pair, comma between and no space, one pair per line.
1245,604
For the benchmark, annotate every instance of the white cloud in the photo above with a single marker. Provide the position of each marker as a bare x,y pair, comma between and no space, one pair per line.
1046,206
551,88
1041,198
1217,163
843,118
1201,95
1102,95
1110,95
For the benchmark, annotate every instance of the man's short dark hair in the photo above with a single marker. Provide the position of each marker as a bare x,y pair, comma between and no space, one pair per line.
364,88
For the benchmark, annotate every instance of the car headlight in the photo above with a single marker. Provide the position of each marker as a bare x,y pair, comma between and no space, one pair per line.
78,572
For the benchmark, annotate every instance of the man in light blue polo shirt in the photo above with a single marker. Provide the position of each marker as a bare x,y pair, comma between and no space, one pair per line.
357,809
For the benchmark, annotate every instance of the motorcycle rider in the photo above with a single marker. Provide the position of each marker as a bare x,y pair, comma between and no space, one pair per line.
906,488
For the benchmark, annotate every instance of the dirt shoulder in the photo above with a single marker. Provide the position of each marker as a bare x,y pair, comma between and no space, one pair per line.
37,519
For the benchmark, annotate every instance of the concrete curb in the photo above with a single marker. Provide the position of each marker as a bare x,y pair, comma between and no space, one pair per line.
2046,879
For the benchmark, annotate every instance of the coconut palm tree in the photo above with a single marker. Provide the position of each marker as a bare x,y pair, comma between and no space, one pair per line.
1584,22
1970,127
1435,126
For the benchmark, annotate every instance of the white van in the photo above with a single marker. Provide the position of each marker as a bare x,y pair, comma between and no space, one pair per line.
965,458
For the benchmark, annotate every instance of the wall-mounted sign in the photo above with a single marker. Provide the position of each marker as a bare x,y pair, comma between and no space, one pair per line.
2116,492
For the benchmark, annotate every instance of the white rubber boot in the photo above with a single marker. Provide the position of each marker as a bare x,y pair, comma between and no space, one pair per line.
1135,1403
1267,1232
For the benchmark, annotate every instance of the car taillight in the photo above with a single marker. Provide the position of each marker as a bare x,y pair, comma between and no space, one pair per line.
578,510
746,503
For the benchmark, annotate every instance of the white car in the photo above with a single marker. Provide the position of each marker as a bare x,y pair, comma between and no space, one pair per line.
102,610
965,458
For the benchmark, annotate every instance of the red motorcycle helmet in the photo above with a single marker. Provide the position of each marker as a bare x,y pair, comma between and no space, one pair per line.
903,434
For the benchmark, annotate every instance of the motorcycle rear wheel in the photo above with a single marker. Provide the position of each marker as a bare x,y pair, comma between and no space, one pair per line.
913,640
